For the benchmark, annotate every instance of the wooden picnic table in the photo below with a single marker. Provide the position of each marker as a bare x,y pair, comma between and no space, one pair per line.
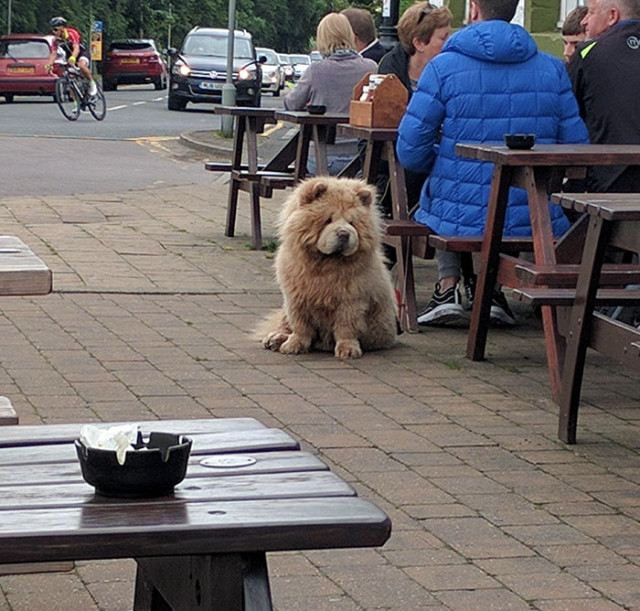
21,272
249,122
614,221
205,545
540,171
319,129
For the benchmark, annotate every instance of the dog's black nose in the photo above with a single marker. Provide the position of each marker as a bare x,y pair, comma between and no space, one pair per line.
343,236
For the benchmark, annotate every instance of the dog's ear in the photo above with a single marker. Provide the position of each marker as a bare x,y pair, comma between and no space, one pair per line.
311,190
366,194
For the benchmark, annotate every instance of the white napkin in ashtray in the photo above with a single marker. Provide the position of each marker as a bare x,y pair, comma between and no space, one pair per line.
119,438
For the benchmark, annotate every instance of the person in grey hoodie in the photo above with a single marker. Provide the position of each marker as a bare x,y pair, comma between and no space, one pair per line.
330,82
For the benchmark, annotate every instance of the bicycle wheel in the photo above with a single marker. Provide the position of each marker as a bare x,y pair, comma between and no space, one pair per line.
98,105
66,98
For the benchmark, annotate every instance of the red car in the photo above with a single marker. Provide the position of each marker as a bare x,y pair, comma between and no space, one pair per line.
133,62
22,65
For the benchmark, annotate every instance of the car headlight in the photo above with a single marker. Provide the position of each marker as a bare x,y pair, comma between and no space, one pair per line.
245,74
181,69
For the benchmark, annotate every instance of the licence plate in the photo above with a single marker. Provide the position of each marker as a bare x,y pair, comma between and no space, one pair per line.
209,85
21,70
130,60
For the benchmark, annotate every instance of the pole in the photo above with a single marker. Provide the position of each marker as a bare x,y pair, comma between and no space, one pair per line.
8,16
229,89
388,32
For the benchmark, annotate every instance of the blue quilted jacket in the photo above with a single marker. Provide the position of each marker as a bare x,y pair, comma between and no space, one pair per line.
489,80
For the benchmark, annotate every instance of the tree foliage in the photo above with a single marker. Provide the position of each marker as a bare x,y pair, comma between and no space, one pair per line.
284,25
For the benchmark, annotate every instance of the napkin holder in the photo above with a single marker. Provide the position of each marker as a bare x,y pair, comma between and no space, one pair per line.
386,106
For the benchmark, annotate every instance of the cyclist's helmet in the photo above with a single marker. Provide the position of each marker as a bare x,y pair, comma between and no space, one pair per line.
58,22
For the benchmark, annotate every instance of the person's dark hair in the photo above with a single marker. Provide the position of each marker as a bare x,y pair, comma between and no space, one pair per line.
572,25
361,23
497,9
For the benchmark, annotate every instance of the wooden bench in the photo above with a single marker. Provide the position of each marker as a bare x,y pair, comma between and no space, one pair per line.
613,221
9,417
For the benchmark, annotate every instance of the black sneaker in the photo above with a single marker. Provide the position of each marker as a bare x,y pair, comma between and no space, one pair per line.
444,308
501,313
469,292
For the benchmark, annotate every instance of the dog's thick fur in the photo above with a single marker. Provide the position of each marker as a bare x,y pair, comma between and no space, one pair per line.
337,291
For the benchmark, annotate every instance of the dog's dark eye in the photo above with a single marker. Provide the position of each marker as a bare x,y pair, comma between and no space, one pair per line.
328,221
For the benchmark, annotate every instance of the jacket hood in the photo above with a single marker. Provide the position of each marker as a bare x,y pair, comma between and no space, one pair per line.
493,41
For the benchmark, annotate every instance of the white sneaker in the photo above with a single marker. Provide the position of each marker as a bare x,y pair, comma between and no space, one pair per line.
93,88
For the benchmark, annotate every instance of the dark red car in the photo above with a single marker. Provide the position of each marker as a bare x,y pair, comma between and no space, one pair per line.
133,62
23,58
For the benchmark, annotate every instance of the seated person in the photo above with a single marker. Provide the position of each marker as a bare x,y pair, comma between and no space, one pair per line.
573,31
489,79
330,82
422,30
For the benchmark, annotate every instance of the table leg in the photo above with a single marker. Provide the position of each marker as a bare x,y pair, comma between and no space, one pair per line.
302,154
320,144
580,327
489,261
233,582
536,184
234,187
252,165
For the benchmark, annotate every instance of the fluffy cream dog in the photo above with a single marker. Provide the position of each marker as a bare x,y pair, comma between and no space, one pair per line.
337,291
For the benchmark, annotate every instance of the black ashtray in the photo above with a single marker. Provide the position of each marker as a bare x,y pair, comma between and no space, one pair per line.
319,109
520,141
152,468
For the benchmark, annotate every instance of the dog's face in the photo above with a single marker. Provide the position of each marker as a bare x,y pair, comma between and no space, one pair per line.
335,217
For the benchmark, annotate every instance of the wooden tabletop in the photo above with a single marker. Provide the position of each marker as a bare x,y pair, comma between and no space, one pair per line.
368,133
553,154
285,500
245,111
21,272
609,206
305,117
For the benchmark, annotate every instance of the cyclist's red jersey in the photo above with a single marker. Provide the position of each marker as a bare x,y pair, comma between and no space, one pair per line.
67,38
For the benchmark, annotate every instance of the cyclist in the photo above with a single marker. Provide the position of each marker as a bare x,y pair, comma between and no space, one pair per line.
69,41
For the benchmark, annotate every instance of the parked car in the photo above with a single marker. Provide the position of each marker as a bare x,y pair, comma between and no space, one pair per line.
272,73
133,62
22,65
286,65
300,64
315,56
199,69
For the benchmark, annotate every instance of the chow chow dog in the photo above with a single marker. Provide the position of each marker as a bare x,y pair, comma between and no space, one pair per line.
338,294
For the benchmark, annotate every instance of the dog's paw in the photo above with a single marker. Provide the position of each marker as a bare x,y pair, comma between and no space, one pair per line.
274,340
348,349
294,345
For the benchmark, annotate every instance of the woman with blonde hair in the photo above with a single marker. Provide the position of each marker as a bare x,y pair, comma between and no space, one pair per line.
330,82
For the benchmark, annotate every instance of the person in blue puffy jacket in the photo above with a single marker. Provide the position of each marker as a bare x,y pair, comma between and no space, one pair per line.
489,80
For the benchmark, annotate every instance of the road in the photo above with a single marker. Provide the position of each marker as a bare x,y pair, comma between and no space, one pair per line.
136,146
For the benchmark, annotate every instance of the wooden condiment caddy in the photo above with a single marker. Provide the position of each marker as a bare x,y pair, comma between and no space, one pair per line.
385,107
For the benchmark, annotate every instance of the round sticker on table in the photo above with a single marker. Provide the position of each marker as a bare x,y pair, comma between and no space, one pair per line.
227,462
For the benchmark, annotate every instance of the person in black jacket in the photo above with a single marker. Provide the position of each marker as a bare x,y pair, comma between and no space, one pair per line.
364,31
422,30
605,75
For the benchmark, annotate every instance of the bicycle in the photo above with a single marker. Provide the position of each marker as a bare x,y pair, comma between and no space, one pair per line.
72,96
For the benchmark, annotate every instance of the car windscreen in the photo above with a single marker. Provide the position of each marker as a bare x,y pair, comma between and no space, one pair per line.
207,45
271,56
24,49
300,59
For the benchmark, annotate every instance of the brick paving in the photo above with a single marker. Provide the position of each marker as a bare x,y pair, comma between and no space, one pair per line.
151,318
